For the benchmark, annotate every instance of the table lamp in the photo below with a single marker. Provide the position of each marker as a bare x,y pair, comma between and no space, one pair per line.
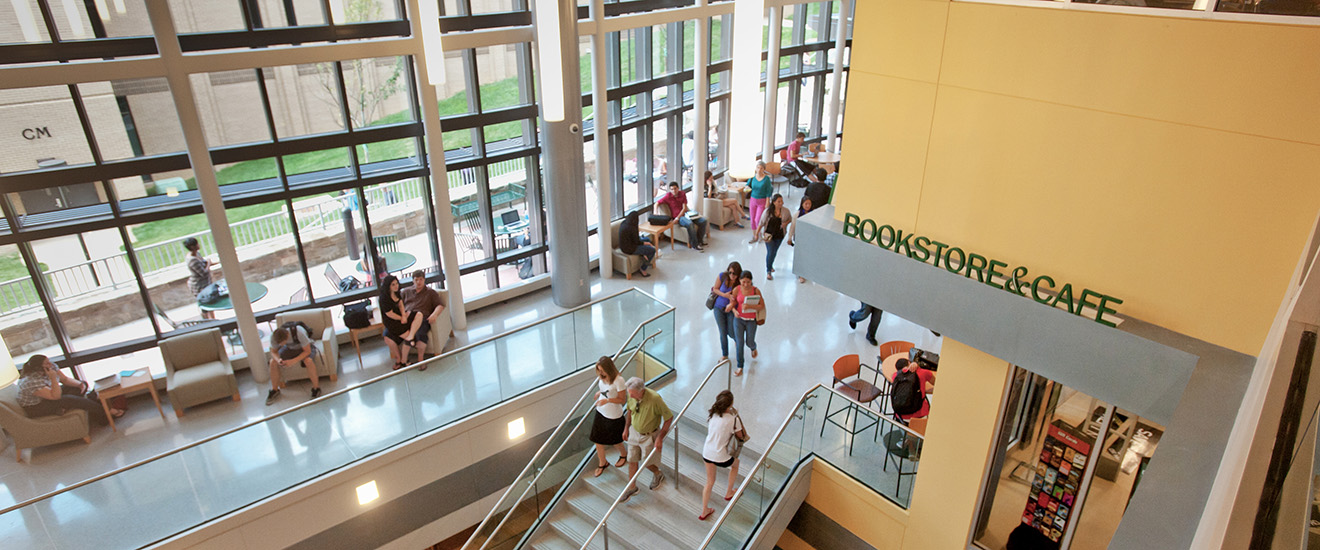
8,370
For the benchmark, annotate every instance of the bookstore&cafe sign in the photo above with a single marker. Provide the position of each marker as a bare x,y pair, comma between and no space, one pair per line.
987,270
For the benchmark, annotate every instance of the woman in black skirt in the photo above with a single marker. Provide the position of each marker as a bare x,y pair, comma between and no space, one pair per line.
607,426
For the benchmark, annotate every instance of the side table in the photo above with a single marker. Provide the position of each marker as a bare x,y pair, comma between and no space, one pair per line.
354,332
141,379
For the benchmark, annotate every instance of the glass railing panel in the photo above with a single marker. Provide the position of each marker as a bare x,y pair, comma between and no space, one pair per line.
200,483
536,489
108,513
864,444
240,468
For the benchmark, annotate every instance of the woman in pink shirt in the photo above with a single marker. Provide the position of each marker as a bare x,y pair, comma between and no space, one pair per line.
744,314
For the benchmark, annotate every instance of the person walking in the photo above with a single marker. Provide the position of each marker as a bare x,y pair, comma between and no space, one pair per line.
722,425
607,427
400,326
44,390
291,346
861,314
630,242
724,284
648,421
761,188
776,225
746,303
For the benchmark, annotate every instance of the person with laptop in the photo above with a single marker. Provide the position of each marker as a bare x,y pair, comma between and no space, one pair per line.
696,226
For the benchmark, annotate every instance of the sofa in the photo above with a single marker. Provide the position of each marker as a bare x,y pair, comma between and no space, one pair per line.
197,370
29,433
322,324
627,264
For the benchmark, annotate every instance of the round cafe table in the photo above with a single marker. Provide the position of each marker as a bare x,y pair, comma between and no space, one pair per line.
825,157
394,262
256,291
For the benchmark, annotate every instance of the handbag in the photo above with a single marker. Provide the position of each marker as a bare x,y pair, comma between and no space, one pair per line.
658,219
710,300
735,444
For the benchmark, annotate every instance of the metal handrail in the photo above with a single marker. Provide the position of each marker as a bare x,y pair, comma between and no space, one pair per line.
590,387
674,430
309,403
810,393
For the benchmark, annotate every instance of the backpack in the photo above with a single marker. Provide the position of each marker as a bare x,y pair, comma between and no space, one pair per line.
209,293
907,395
349,283
357,314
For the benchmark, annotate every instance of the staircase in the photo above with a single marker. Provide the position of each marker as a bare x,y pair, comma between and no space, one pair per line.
664,519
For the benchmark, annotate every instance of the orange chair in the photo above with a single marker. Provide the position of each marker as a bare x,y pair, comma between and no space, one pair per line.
895,346
857,390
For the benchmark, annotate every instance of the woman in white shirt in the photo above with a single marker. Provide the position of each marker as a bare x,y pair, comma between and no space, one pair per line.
607,426
723,425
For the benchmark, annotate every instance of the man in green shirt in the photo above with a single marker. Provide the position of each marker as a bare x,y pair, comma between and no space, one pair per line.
648,421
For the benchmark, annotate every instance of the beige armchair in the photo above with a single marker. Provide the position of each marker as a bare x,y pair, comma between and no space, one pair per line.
322,324
197,369
442,327
28,433
627,264
717,214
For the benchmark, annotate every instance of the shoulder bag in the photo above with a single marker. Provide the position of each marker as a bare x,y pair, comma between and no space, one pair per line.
737,439
760,313
710,300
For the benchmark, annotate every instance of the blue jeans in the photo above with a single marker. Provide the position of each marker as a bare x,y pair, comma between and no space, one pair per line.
696,231
647,252
865,311
724,320
771,250
744,332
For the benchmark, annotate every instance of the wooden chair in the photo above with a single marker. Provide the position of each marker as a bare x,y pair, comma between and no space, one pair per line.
857,390
894,346
814,147
386,243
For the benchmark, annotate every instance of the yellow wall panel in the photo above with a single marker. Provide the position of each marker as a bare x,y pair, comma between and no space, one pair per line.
856,507
901,38
1253,78
959,437
1191,227
886,156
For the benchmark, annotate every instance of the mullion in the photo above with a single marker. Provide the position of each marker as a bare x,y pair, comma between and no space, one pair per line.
270,126
290,18
49,18
94,19
251,19
348,121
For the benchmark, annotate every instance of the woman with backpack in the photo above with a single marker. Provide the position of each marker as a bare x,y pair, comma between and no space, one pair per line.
724,436
776,224
290,345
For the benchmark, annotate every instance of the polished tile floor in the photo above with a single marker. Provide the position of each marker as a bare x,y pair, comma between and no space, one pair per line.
806,330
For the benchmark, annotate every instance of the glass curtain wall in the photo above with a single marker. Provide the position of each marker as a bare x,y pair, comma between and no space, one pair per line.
319,163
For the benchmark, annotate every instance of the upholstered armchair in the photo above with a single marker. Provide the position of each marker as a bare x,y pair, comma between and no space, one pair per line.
442,327
29,433
717,214
197,369
322,325
626,264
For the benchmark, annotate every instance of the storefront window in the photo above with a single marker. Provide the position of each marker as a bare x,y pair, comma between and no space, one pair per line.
1065,466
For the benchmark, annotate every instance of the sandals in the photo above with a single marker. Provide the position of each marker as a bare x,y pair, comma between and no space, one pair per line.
398,365
706,514
623,461
600,470
728,496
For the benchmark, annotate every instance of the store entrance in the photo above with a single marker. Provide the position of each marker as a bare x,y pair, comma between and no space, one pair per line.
1066,465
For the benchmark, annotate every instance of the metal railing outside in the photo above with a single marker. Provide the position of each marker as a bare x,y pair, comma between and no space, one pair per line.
206,479
533,484
603,525
798,440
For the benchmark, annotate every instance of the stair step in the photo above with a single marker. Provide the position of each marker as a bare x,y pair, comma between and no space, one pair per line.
625,523
553,541
573,531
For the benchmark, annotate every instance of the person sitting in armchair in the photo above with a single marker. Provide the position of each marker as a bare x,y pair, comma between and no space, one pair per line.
44,390
676,200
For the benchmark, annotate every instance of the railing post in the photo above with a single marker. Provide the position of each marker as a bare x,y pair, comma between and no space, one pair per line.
606,526
676,474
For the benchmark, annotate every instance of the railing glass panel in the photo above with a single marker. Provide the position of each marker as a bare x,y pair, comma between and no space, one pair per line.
872,448
649,354
223,473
